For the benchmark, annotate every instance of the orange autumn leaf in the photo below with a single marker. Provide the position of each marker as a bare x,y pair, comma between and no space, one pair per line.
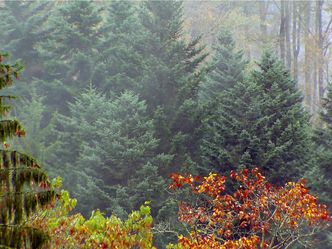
254,215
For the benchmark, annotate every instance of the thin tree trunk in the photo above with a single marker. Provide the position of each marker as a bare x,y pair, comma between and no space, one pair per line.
262,16
327,68
326,44
317,59
320,58
296,38
282,31
307,57
287,35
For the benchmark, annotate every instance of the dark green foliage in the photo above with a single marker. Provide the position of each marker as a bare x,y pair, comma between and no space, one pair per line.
260,122
121,62
173,62
23,184
323,143
227,68
8,129
233,131
22,27
172,79
288,145
112,145
70,51
7,74
41,141
173,73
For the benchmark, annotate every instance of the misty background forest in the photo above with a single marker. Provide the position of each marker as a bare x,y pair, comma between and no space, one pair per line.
116,96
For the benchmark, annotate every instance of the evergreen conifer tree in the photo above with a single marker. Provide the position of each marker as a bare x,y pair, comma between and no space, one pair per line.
22,26
170,85
112,146
260,123
172,79
323,143
227,68
232,133
24,186
70,52
41,141
287,153
121,63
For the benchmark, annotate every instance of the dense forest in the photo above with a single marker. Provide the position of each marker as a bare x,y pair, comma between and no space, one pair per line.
203,116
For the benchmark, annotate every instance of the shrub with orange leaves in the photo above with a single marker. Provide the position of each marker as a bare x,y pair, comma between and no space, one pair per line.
254,214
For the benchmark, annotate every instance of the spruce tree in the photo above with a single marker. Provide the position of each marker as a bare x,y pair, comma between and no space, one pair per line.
121,63
22,26
112,147
323,143
23,184
70,52
227,68
226,72
320,176
41,141
78,131
174,71
234,129
260,123
172,79
174,74
287,153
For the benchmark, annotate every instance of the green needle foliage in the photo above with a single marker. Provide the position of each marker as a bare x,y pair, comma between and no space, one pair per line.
69,52
121,62
260,122
172,80
323,141
288,140
41,140
23,184
112,146
320,175
231,132
22,26
228,67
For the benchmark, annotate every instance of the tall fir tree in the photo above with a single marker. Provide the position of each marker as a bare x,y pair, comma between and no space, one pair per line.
227,68
323,143
287,155
69,53
260,122
121,63
41,141
112,146
172,79
233,131
174,71
24,186
77,131
320,176
22,25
